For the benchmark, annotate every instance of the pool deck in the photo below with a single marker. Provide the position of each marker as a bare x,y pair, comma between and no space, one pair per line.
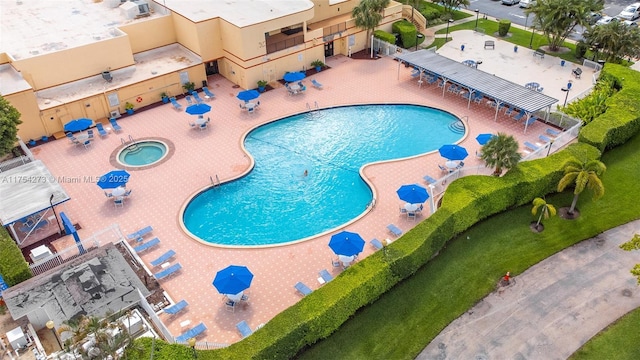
160,192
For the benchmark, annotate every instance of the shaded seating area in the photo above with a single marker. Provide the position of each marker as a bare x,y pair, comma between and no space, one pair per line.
171,270
139,234
192,333
176,308
146,246
163,258
302,288
244,329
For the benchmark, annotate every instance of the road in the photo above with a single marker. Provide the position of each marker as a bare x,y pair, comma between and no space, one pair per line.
495,9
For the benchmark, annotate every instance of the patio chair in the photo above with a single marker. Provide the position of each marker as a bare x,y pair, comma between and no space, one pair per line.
101,130
230,305
244,329
208,94
127,193
460,165
530,146
412,215
70,135
432,80
509,111
87,143
324,276
335,263
316,84
114,125
192,333
478,154
89,134
171,270
196,96
519,115
176,308
146,246
302,289
394,230
429,180
189,100
109,195
444,169
552,132
163,258
376,244
203,126
402,210
139,234
175,103
544,139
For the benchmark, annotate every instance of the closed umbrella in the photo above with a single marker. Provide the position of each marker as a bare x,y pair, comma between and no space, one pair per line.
69,229
453,152
113,179
78,125
294,76
247,95
233,279
412,193
484,138
346,243
198,109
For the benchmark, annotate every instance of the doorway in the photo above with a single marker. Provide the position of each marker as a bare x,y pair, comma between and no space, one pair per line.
211,67
328,49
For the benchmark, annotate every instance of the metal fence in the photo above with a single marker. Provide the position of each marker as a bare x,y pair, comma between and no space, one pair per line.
383,48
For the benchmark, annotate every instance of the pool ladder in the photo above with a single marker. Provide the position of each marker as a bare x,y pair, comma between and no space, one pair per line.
133,147
316,105
216,182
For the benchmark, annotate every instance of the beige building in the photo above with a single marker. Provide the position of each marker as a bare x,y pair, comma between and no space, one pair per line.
62,60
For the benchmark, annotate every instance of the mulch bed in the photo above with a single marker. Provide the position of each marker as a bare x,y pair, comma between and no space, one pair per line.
364,55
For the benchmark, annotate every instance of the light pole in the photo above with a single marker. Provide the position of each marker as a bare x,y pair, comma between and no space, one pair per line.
446,37
51,325
477,14
54,214
533,30
550,144
418,37
192,343
566,90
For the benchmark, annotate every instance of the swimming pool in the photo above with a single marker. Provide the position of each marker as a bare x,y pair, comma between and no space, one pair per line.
276,203
142,153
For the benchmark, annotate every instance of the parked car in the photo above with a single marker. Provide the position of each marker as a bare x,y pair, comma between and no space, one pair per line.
631,12
605,20
527,3
630,23
594,17
510,2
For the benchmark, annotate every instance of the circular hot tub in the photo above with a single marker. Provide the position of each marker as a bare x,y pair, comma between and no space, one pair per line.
142,153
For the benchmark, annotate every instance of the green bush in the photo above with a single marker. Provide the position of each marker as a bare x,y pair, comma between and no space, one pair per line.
384,36
407,32
431,13
581,49
13,267
503,27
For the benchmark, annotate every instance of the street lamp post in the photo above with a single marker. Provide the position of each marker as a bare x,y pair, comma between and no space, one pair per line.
54,214
566,90
550,145
51,325
192,343
446,37
477,14
418,37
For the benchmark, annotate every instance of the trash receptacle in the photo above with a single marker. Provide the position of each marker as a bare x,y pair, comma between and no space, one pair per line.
204,83
562,62
461,47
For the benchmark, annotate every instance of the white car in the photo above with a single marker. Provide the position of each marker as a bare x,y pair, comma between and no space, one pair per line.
510,2
631,12
527,3
631,24
605,20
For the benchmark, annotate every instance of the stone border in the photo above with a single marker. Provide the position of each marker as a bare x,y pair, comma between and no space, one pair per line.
171,149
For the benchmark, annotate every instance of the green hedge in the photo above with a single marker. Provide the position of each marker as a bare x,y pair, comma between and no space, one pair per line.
621,121
13,267
384,36
408,32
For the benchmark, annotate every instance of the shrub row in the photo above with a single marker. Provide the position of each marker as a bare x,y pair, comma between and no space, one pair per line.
13,267
407,31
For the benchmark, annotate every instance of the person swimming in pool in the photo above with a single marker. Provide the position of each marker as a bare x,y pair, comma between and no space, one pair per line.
306,172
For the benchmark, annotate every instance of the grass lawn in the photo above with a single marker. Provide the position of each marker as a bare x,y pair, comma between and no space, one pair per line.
404,320
619,341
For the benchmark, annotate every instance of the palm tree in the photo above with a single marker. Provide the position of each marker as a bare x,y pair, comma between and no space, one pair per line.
501,152
616,40
368,14
557,18
546,210
584,175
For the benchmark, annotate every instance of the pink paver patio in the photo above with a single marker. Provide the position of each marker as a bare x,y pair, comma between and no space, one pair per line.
159,192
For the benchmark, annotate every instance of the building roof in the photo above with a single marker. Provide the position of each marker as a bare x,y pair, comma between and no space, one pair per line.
94,284
492,86
240,13
26,190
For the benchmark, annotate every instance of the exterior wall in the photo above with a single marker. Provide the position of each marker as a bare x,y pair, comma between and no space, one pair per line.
25,102
75,63
210,39
186,33
324,11
150,34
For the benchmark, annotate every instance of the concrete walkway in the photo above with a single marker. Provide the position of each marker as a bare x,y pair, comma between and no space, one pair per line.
552,309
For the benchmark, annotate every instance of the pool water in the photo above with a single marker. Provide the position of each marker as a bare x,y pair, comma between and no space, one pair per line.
276,203
142,153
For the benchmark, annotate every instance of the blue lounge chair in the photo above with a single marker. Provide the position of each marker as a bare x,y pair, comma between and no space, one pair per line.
163,258
189,100
175,103
208,93
519,116
168,271
138,235
552,132
114,125
531,120
196,96
544,138
244,329
530,146
302,289
509,111
429,180
325,276
148,245
176,308
376,244
394,230
192,333
101,130
316,84
38,226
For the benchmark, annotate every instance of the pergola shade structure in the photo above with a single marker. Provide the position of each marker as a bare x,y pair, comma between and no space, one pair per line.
502,92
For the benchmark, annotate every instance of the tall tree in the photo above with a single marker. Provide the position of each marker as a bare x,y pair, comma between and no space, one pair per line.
615,40
558,18
501,152
368,14
9,121
584,175
449,5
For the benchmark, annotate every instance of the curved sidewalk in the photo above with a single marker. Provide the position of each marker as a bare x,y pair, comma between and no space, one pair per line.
550,310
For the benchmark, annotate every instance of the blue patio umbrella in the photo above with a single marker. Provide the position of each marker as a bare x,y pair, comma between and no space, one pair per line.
346,243
412,193
247,95
453,152
78,124
113,179
484,138
69,229
198,109
294,76
233,279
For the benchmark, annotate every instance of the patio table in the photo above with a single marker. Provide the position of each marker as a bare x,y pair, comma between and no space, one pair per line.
451,164
411,207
